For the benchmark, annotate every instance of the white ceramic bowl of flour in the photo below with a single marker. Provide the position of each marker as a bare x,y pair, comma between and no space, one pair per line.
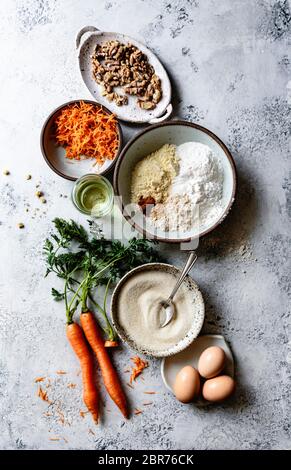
152,139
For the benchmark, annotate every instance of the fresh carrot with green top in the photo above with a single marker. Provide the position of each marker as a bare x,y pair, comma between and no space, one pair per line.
109,374
79,344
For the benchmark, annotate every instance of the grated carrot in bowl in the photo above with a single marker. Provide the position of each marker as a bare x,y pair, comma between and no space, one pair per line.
85,130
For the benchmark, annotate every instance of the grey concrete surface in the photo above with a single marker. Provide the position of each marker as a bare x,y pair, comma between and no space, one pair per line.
229,63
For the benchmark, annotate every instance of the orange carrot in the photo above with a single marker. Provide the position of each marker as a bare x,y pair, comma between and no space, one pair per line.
78,342
109,374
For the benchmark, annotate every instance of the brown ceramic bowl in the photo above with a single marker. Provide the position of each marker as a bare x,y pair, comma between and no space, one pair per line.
151,139
54,154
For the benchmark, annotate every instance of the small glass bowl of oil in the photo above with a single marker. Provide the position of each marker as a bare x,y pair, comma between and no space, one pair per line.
93,195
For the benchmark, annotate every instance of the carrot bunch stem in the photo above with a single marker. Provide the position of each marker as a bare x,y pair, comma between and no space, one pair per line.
98,262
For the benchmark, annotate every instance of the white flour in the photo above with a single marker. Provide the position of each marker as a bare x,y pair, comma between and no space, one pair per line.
176,214
200,178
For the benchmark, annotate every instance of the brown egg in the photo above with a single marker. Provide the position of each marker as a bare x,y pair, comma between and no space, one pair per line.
219,388
211,362
187,384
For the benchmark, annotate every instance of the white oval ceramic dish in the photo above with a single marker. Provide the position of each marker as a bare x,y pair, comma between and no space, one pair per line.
151,139
170,366
130,112
198,312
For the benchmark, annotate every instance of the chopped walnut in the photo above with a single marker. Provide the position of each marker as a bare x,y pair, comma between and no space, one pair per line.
119,65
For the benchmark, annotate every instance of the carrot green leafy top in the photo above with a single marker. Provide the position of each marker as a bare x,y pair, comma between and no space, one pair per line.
85,263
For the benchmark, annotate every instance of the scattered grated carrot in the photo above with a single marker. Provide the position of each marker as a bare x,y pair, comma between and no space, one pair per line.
90,431
137,411
42,394
48,383
150,393
146,403
83,413
39,379
139,366
85,129
54,439
61,416
71,385
61,372
129,385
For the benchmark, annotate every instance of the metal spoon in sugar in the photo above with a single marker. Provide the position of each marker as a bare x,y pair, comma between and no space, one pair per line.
167,305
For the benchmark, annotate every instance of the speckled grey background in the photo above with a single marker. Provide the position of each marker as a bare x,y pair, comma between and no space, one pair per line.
229,62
